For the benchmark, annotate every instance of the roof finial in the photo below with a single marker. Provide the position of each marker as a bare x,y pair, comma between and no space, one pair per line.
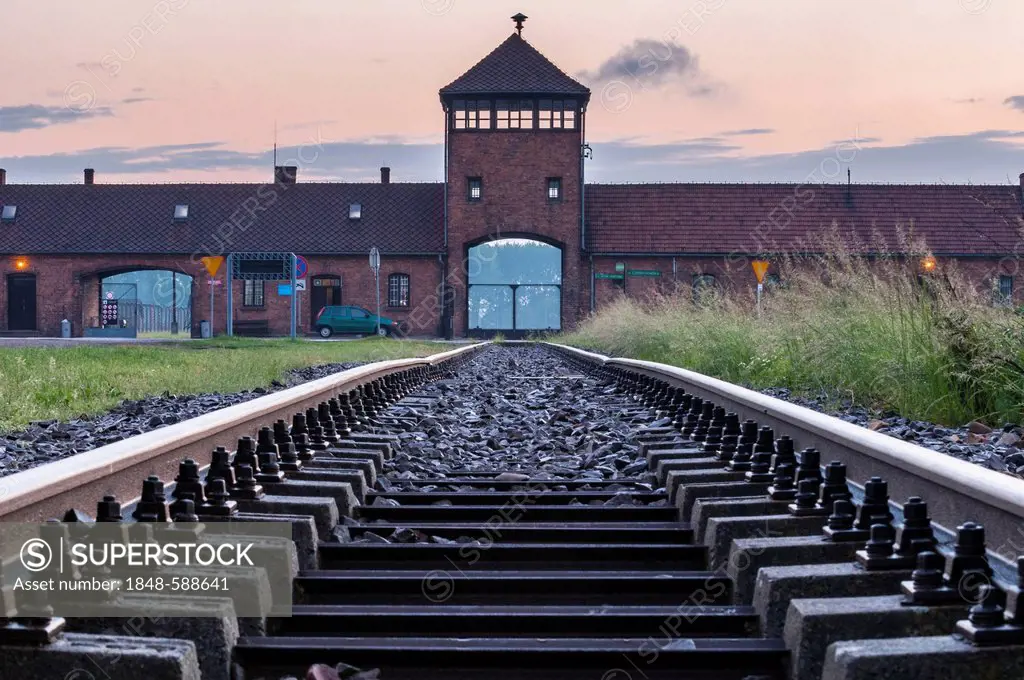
519,19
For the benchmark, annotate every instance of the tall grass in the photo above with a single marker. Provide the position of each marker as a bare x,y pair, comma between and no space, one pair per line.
868,333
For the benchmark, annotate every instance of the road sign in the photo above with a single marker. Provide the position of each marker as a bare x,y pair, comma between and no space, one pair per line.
212,264
602,275
375,267
300,284
215,282
760,267
620,266
284,289
301,267
644,272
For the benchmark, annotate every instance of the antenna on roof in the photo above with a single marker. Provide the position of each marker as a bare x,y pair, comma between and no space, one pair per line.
519,19
849,176
275,143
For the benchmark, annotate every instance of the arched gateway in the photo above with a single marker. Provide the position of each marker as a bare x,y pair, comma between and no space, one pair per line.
515,285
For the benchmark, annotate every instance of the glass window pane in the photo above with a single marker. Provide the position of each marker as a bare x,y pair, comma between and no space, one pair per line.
490,307
538,308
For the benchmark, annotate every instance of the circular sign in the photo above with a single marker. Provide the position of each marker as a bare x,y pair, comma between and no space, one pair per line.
110,296
301,267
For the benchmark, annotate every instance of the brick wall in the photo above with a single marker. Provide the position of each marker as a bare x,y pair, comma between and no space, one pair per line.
514,167
68,287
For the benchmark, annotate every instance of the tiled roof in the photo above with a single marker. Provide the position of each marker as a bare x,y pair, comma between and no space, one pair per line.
409,218
752,218
515,67
306,218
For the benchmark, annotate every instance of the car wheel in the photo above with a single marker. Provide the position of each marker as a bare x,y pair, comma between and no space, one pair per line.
382,332
325,331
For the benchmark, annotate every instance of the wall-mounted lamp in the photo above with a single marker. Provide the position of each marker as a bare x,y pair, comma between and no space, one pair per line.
21,264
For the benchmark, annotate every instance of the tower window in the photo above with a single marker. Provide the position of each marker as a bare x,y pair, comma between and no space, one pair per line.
181,212
554,188
9,213
514,114
471,114
556,114
398,290
476,188
355,211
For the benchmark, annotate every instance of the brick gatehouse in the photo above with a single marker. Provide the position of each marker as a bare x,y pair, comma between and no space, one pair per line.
514,168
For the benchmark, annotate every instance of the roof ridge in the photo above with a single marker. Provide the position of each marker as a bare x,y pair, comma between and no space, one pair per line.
515,66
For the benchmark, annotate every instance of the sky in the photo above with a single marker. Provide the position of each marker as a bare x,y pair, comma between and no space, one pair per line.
915,91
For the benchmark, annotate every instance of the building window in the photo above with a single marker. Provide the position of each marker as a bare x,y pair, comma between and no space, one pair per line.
556,114
398,290
355,211
514,114
9,213
703,286
476,188
471,114
1004,290
181,212
252,295
554,188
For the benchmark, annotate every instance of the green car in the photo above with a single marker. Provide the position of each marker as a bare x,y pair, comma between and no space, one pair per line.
348,319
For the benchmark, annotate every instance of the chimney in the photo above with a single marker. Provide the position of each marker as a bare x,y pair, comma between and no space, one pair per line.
285,174
3,177
90,174
385,175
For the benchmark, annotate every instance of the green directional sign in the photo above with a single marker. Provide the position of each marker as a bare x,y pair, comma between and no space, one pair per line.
620,266
602,275
644,272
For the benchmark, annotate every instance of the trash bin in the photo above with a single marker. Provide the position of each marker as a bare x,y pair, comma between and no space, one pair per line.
204,329
65,328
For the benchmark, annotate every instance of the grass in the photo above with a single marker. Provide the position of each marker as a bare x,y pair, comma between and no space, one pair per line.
43,383
868,334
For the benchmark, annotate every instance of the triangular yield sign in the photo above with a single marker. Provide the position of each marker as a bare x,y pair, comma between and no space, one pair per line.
212,264
760,267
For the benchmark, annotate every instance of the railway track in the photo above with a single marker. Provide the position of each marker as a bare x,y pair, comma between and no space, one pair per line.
543,512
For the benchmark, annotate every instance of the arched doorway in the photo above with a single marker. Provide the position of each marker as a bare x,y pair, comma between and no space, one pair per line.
146,302
515,287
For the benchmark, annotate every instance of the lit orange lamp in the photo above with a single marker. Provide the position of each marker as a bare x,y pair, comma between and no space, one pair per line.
928,264
21,264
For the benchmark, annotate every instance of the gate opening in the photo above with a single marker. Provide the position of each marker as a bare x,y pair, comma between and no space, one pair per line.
515,286
145,303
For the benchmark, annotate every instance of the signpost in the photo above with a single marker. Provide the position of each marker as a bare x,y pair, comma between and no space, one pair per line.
760,267
298,284
109,312
212,265
375,268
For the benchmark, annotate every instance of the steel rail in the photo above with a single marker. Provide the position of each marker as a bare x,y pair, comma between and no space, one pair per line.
79,481
955,490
